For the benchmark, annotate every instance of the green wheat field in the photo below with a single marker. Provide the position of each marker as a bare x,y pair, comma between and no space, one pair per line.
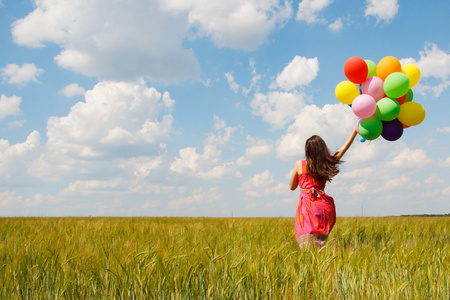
222,258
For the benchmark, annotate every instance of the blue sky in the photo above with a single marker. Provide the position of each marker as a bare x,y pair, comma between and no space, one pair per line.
201,108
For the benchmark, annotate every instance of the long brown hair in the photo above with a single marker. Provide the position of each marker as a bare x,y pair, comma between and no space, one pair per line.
321,165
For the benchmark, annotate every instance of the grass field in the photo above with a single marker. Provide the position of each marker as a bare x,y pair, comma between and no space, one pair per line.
222,258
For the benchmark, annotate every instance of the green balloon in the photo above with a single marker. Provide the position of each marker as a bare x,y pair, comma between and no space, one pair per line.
387,109
396,85
370,128
372,68
409,95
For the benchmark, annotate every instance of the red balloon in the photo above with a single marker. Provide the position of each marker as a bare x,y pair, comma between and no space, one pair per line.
356,70
402,99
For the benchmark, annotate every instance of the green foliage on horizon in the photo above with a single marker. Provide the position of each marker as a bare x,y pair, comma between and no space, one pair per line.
222,258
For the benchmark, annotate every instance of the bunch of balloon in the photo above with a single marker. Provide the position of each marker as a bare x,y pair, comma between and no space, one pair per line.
383,100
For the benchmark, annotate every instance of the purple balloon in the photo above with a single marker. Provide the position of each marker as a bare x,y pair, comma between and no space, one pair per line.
392,130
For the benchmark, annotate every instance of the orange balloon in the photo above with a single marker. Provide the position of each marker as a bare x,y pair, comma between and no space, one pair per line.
387,66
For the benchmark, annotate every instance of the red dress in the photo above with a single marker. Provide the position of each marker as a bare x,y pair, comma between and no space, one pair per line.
316,213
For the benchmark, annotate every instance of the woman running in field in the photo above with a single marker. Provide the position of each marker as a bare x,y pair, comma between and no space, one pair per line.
316,213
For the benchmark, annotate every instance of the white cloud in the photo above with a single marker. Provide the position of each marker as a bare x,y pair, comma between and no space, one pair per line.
151,203
16,124
140,167
72,89
207,164
434,179
9,199
443,129
383,10
358,189
224,133
52,166
233,85
278,108
117,119
258,181
198,197
168,102
446,163
9,106
336,25
299,72
233,23
40,199
361,173
332,122
258,148
410,159
308,10
401,182
88,187
446,191
16,159
20,75
120,40
263,185
433,62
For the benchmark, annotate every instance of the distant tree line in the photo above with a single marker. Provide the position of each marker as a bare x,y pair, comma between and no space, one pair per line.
427,215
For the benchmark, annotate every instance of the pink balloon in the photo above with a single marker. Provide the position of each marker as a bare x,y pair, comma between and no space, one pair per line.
373,86
357,125
364,106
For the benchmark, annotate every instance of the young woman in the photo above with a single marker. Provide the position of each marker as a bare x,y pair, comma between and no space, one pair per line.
316,213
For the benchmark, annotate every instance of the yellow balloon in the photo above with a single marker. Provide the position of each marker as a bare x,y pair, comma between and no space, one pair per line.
413,73
346,91
411,113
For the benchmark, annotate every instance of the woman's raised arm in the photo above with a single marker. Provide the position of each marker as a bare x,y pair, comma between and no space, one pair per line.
338,155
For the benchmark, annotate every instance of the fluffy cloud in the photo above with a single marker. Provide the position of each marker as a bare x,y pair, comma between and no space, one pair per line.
446,191
383,10
207,165
140,38
9,106
145,38
15,159
258,181
88,187
233,85
72,89
20,75
332,122
234,23
336,25
258,148
116,119
8,200
446,163
411,159
39,199
299,72
278,108
199,197
263,185
308,10
433,62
